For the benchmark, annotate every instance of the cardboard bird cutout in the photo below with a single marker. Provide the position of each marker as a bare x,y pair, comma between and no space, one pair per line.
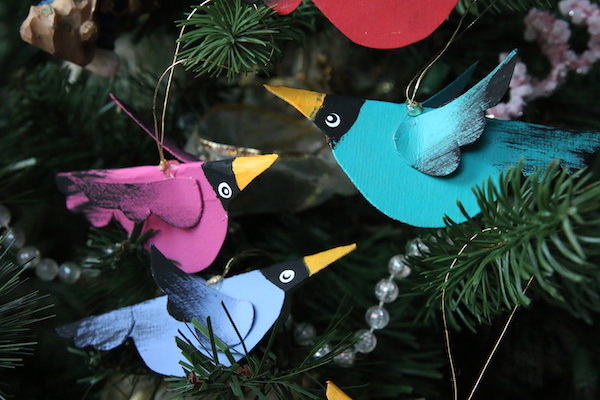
413,168
380,24
452,91
435,151
186,206
253,300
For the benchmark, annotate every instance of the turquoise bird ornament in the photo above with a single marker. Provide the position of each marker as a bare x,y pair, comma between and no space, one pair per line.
414,162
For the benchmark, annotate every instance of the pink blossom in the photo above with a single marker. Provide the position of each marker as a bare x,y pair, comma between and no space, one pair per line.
553,37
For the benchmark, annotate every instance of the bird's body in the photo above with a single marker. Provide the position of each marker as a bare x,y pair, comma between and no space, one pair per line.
207,233
368,155
153,329
186,206
415,166
253,301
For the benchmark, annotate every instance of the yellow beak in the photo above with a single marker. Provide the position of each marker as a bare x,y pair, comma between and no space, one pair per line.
335,393
305,101
246,169
318,261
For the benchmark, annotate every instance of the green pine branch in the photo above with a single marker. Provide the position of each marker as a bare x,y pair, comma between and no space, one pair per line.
53,121
18,312
260,374
120,267
233,37
544,226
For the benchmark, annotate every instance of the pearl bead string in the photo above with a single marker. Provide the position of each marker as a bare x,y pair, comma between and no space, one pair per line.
377,317
46,269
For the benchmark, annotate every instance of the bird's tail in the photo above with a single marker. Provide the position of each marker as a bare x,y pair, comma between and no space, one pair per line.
539,145
104,332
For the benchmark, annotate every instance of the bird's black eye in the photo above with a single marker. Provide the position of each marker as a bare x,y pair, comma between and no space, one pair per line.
287,276
221,178
337,115
333,120
224,190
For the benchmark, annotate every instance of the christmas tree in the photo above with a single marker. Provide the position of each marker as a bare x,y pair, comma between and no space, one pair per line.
494,304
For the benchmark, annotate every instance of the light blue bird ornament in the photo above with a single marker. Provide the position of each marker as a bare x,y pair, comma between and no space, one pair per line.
253,301
414,163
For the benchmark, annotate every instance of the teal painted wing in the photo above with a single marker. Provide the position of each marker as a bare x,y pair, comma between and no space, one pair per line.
431,141
452,91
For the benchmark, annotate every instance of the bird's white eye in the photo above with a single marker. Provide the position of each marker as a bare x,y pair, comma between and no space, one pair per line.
333,120
287,276
224,190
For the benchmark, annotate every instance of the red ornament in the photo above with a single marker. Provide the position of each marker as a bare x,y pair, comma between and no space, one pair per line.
379,24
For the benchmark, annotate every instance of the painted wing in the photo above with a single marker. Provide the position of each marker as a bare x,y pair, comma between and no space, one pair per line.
452,91
431,141
104,332
96,193
189,298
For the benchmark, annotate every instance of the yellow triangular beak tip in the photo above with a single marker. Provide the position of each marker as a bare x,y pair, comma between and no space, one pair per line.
317,262
270,88
305,101
246,169
335,393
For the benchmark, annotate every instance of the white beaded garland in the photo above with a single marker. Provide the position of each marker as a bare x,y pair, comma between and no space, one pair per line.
386,290
377,317
398,266
305,333
14,237
289,322
366,341
345,358
416,247
46,269
4,216
69,272
323,351
28,255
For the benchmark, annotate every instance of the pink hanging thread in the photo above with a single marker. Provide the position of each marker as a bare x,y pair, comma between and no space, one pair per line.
553,36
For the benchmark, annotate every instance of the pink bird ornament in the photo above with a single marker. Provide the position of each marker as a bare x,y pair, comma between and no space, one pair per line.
185,203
